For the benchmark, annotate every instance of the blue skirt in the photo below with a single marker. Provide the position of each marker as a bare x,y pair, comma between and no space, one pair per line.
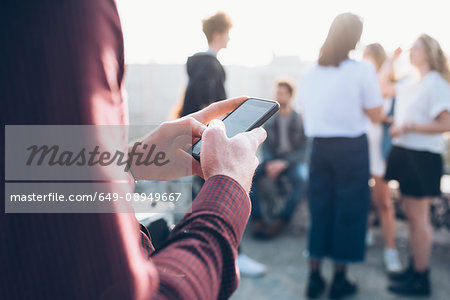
339,198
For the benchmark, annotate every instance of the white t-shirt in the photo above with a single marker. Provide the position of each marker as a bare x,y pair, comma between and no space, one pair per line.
421,102
333,99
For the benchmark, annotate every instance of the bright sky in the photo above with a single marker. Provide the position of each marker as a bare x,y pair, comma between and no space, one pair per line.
169,31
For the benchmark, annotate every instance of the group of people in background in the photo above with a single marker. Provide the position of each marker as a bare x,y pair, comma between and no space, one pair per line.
357,122
338,98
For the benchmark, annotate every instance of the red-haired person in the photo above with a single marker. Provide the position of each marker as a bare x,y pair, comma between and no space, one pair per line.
206,73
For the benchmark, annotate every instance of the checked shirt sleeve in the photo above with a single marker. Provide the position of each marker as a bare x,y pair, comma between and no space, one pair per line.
198,260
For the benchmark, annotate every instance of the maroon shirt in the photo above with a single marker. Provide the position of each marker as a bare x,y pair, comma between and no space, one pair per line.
62,63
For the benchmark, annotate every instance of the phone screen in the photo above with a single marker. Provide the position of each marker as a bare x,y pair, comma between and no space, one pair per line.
250,114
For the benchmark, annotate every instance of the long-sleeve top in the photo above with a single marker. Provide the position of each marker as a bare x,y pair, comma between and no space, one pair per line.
62,64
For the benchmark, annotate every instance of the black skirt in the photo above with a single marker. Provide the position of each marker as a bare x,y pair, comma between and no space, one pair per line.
418,172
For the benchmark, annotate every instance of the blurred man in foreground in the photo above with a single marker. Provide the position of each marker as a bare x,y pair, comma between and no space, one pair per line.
63,65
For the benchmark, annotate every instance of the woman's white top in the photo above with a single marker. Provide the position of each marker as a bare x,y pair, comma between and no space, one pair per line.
333,99
420,102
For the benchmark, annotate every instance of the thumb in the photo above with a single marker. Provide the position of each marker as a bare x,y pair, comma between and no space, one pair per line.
216,127
256,136
214,133
217,123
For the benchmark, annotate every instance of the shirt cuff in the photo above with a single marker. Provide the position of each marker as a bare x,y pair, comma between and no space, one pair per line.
224,196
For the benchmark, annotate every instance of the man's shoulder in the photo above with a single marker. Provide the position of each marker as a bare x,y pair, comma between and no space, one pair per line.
271,122
293,116
296,114
205,57
296,120
203,62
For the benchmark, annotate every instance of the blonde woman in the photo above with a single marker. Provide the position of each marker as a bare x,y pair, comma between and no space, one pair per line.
415,161
381,199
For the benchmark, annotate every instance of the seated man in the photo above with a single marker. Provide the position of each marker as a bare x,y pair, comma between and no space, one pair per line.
284,153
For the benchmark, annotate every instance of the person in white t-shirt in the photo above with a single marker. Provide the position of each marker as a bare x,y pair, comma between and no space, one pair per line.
376,135
338,96
415,161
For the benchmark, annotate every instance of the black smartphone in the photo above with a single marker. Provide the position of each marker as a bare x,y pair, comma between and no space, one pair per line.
250,114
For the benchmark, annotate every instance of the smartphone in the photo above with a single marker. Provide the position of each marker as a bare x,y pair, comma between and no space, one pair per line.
248,115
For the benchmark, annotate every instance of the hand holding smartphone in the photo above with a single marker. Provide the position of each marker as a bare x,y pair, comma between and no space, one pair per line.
251,114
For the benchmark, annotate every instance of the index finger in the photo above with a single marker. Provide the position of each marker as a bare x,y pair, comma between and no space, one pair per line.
217,109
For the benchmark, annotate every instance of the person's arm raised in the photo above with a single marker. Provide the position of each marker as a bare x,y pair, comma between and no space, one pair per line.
384,75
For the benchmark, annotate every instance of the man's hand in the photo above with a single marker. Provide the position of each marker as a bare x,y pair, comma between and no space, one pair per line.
171,139
275,167
234,157
174,138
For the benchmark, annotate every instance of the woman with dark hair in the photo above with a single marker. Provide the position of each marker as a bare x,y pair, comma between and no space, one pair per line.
338,97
